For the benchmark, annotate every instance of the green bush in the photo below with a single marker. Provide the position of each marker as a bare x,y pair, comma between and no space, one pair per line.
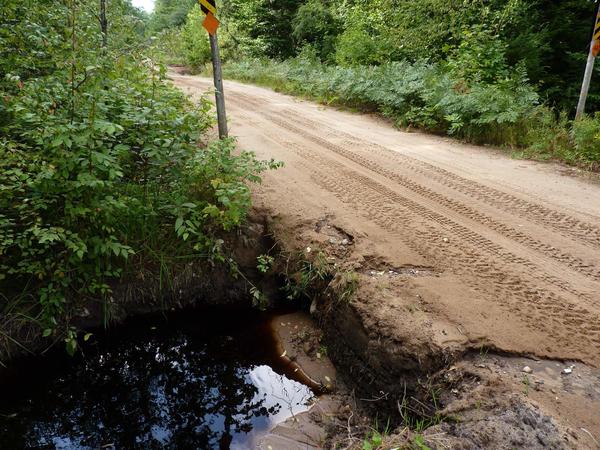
315,25
586,137
170,47
104,173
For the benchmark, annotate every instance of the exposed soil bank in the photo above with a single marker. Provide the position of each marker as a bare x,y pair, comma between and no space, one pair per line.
446,396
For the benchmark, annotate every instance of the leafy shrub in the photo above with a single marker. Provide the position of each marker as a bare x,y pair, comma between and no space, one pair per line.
314,24
480,56
103,169
586,137
356,46
170,47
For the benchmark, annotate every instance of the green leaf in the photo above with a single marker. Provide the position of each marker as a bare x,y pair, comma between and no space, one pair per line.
71,345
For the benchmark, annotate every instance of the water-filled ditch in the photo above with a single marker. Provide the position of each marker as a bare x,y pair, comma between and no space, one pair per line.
192,379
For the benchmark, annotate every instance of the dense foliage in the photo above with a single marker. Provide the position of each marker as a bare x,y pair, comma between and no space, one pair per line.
169,14
420,94
496,71
102,173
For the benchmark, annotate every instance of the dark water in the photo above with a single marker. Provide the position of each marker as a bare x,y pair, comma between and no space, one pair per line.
198,380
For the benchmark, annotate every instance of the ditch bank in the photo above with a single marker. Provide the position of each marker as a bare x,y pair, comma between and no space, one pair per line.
404,370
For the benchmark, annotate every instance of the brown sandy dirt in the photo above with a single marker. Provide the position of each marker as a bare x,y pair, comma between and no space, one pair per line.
456,247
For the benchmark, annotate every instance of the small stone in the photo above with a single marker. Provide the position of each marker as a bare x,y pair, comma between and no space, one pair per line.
345,242
567,370
332,240
308,249
446,240
313,307
527,369
454,391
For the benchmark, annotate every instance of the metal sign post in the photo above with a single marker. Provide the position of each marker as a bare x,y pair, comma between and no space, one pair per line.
211,24
219,94
589,67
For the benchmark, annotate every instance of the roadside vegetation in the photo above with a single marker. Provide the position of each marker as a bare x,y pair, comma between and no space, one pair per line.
501,72
107,170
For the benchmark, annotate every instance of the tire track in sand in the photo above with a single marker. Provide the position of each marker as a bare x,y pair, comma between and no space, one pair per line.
542,310
565,224
573,262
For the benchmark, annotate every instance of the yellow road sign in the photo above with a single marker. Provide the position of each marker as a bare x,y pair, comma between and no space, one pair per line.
208,6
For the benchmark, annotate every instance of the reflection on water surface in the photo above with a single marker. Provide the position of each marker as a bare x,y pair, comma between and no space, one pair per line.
199,380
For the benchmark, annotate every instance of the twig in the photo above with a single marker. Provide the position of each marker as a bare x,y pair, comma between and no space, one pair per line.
384,396
590,434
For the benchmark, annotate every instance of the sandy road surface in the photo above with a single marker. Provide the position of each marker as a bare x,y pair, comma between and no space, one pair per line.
505,253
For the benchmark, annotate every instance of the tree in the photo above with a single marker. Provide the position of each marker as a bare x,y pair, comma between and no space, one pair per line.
314,24
267,22
169,14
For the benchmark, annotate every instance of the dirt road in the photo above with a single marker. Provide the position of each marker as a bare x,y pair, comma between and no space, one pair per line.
503,252
456,248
